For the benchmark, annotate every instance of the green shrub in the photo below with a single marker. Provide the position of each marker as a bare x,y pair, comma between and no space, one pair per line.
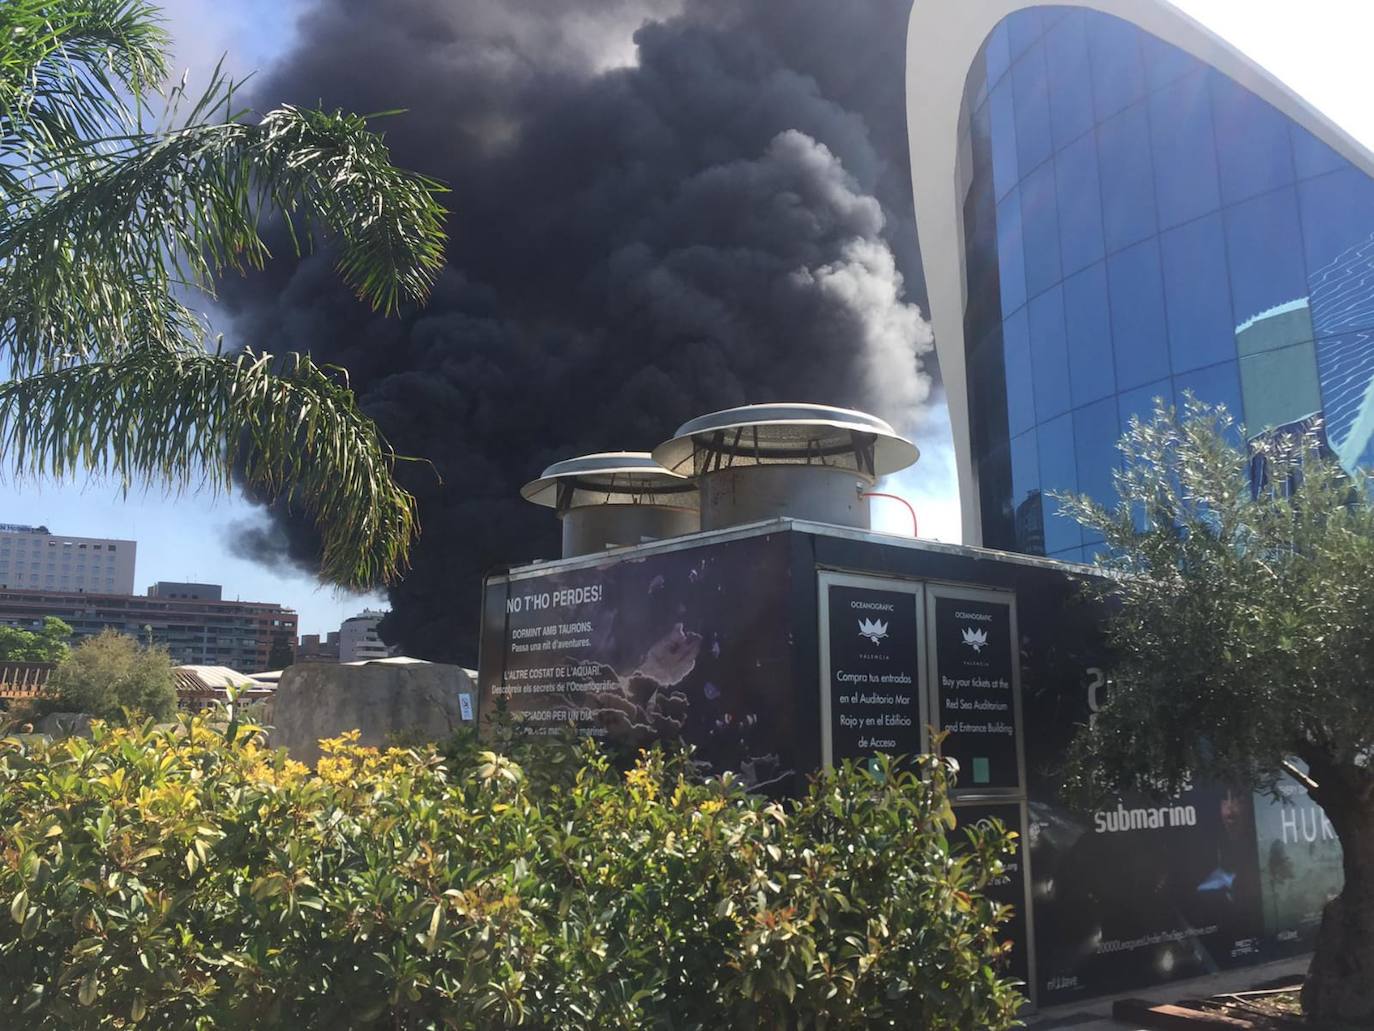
186,877
110,673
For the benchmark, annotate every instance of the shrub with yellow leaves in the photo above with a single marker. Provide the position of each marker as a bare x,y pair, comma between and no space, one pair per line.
187,876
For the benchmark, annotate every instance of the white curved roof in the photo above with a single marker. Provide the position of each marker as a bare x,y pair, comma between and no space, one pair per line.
943,38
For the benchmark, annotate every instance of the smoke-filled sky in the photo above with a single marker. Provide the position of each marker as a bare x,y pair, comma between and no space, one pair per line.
660,207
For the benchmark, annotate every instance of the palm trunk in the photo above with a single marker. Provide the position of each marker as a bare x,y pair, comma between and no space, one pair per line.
1339,989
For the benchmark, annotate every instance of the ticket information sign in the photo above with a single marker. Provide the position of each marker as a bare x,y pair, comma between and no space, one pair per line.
975,687
871,690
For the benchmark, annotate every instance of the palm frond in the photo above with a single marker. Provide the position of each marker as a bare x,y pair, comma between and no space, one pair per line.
70,73
185,417
182,208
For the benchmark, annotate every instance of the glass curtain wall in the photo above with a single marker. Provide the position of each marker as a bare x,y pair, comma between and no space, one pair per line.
1139,226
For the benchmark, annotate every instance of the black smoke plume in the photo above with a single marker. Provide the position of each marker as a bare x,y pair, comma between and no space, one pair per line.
659,209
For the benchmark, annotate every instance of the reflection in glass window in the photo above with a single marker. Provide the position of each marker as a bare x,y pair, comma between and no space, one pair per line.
1266,265
1197,295
1118,73
1030,88
1088,329
1346,367
1139,334
1079,205
1049,355
1040,230
1016,354
1185,159
1058,472
1337,221
1070,79
1011,258
1128,189
1027,513
1254,150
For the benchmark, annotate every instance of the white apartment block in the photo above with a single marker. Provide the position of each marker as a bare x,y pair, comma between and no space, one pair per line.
33,559
358,640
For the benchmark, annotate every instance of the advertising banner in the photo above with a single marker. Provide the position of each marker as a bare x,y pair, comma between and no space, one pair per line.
1010,888
871,686
690,644
1299,864
975,698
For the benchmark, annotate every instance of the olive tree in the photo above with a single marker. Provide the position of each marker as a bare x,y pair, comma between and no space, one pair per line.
1243,608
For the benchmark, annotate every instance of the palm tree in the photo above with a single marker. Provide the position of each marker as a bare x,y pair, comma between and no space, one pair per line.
113,216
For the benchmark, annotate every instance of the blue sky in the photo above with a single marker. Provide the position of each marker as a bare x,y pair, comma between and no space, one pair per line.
1324,58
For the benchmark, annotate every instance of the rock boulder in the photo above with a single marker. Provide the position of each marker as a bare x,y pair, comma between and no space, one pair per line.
416,700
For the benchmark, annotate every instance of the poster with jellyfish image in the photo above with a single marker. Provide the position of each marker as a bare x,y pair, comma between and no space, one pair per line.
689,644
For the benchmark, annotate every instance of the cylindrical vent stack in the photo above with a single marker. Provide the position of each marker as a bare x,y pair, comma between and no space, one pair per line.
802,461
615,499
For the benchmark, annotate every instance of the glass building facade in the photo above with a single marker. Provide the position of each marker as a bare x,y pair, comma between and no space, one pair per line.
1138,226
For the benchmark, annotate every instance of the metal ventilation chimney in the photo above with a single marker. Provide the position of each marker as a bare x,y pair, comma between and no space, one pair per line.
613,499
806,461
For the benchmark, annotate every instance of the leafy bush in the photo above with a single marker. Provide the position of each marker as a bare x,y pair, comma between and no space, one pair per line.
46,645
185,876
108,674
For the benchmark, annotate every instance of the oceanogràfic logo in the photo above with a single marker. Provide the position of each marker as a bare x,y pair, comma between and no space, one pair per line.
873,629
975,638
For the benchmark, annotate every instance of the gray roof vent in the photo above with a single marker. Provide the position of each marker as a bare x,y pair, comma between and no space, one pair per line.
805,461
613,499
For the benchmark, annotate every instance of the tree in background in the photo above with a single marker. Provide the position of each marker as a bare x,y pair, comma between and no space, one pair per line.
1243,638
107,222
281,654
110,673
46,645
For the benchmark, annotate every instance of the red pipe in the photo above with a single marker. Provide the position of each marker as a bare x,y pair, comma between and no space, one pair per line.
915,532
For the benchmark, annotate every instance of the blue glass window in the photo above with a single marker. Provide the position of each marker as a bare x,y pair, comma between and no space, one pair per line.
1254,151
1337,220
1118,72
1218,385
1165,62
1025,467
1128,189
1185,159
1020,392
1311,156
1140,402
1040,230
1049,354
1025,502
1030,86
1005,171
1080,204
998,53
1266,262
1095,433
1197,295
1346,367
1023,28
1088,329
1058,472
1071,94
1011,258
1139,333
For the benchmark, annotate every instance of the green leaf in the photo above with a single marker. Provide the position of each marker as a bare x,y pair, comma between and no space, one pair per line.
19,906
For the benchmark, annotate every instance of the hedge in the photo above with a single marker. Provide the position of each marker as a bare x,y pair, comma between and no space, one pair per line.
188,877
